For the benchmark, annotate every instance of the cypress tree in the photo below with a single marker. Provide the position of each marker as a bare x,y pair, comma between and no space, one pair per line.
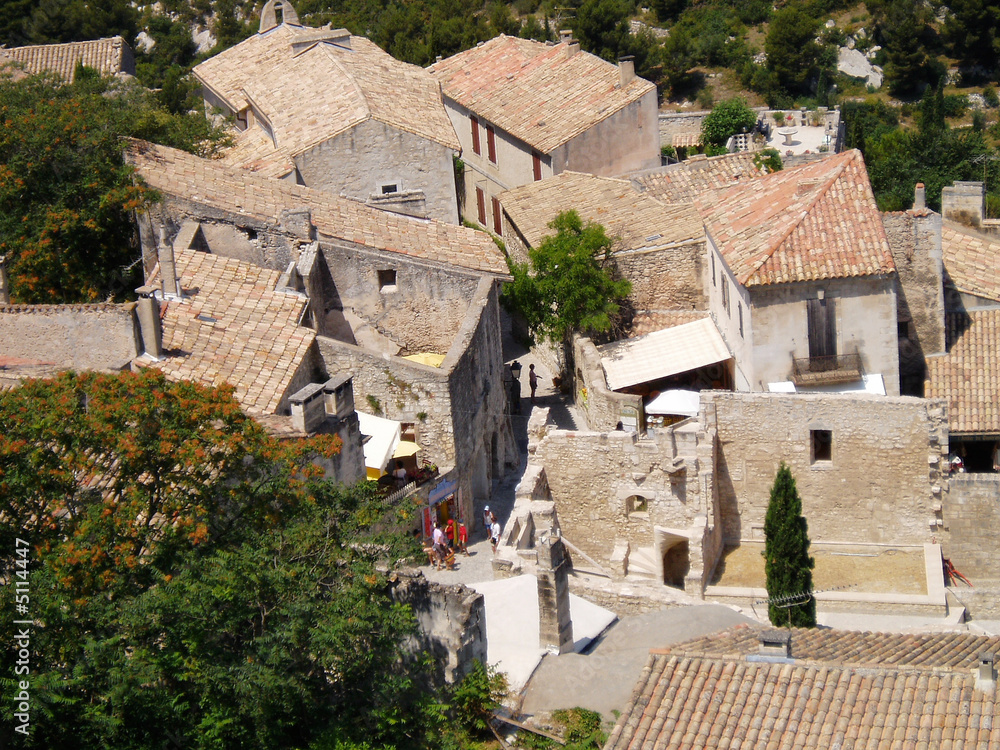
787,563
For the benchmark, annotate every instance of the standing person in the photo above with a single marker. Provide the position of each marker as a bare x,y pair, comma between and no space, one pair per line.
463,539
440,545
487,519
495,534
532,381
450,532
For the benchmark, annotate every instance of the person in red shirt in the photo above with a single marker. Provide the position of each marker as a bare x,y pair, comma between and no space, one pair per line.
449,531
463,539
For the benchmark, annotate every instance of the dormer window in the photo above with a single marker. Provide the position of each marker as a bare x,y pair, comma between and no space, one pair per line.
388,188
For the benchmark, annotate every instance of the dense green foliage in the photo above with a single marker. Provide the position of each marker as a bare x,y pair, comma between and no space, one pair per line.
66,193
726,120
787,564
792,52
195,581
580,727
570,284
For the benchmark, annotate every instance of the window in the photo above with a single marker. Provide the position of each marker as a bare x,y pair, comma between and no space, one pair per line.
636,504
491,143
497,224
387,280
389,188
536,165
725,295
822,322
475,135
903,330
712,256
481,205
739,308
822,445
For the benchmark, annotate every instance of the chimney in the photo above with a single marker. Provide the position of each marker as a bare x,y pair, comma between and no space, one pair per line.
572,46
168,269
338,396
4,283
555,625
307,407
986,676
626,68
776,643
148,311
920,196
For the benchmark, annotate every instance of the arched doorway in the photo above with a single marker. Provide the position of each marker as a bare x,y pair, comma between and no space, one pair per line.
674,550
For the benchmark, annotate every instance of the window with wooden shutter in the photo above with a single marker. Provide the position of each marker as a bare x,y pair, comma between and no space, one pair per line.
491,143
475,135
822,322
497,226
481,205
536,163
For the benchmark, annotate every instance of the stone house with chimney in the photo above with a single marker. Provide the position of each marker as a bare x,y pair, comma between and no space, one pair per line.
407,307
527,110
326,109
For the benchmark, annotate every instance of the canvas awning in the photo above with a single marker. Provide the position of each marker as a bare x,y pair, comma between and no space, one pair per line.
405,448
383,437
663,353
676,401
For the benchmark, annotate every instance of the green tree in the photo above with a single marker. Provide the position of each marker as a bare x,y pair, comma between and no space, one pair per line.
726,120
902,25
793,54
570,284
973,29
787,564
66,193
198,579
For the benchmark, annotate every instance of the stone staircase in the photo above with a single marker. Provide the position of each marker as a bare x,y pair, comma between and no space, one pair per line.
644,566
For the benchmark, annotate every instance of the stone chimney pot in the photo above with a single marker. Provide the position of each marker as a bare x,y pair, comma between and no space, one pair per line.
920,196
626,69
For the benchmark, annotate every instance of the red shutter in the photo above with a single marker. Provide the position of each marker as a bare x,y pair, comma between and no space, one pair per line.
537,165
491,143
481,205
475,134
497,225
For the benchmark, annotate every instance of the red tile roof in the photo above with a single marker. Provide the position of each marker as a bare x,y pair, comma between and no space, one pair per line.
108,56
847,690
972,260
537,92
968,375
217,185
681,182
818,221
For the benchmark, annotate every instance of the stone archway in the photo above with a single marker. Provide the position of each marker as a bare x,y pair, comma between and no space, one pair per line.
674,549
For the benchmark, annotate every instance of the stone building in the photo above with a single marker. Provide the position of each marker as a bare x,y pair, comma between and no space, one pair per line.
324,108
407,307
109,57
526,110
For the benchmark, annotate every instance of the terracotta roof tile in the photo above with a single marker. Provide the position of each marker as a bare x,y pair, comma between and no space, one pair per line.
108,56
968,375
232,327
682,182
538,93
640,221
217,185
817,221
971,259
313,84
843,689
648,321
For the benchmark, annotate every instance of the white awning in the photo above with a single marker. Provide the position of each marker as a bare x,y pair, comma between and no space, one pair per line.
383,437
675,402
663,353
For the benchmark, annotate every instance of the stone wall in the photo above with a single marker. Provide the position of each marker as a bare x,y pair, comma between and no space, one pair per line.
360,161
972,517
915,242
451,620
79,337
666,278
866,321
603,408
422,311
881,485
626,141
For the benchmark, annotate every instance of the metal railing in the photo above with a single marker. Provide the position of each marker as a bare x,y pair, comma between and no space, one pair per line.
830,369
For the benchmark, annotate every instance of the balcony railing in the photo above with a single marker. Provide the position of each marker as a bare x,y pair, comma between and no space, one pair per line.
840,368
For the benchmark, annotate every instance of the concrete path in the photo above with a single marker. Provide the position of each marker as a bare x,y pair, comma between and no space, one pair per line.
602,679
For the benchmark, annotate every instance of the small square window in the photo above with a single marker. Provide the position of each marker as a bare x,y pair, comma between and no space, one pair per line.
387,280
389,188
903,329
822,445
